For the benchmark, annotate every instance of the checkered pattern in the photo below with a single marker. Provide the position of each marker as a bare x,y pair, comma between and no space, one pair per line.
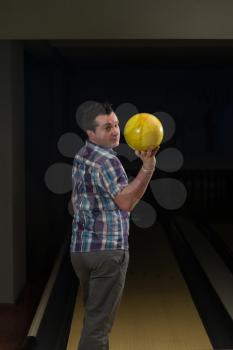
98,223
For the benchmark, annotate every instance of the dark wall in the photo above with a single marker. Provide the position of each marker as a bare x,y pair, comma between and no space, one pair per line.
198,97
45,113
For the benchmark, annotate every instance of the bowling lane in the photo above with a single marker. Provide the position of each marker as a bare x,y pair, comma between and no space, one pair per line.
157,311
76,324
215,269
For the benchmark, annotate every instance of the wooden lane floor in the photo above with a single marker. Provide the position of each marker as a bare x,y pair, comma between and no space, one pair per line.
76,325
157,311
212,264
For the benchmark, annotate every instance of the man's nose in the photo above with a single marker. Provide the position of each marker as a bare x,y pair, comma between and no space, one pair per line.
115,131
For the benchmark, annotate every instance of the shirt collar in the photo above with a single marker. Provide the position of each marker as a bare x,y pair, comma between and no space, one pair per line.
100,148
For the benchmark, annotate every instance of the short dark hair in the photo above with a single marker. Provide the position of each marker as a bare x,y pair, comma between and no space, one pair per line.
90,111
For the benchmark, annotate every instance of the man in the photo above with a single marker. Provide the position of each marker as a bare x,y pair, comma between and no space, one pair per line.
102,200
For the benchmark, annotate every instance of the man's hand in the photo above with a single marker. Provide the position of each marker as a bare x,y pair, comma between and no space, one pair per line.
148,158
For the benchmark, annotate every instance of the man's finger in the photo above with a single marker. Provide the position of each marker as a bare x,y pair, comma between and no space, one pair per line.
155,151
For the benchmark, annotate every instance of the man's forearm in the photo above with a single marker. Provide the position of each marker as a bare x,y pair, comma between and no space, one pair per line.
133,192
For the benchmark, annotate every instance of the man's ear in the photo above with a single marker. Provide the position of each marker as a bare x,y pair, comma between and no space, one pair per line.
90,133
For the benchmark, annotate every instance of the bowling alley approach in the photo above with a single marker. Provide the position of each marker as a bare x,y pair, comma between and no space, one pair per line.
122,148
178,288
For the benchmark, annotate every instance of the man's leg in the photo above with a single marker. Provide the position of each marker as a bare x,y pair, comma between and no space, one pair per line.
106,283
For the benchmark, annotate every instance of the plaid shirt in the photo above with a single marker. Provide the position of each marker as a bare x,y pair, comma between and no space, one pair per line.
98,223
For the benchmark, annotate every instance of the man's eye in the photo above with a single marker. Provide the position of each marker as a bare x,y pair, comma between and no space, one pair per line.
108,128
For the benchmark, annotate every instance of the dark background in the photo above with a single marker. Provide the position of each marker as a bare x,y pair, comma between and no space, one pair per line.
190,80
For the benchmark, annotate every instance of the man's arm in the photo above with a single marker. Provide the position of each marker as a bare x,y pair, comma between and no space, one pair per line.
133,192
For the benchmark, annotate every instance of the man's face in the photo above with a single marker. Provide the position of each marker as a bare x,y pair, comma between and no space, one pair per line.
107,132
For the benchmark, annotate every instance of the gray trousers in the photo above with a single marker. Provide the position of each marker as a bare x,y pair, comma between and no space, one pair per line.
102,278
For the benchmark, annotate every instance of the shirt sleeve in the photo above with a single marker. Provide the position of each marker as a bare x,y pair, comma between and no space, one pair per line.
113,176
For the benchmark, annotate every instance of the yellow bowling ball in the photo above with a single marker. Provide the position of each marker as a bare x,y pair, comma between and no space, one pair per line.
142,131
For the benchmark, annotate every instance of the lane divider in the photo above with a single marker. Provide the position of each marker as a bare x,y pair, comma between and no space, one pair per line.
215,269
30,340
